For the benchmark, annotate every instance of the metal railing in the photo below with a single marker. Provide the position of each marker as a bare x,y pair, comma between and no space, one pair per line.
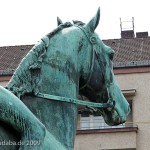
86,125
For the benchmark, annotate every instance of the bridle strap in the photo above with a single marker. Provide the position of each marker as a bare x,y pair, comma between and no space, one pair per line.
109,104
90,39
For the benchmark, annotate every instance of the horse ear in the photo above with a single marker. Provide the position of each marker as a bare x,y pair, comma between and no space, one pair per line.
59,21
93,23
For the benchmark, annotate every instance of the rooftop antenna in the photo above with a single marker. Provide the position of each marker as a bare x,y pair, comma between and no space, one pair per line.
128,30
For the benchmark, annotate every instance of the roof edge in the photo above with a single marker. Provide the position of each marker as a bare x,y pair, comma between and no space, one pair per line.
131,64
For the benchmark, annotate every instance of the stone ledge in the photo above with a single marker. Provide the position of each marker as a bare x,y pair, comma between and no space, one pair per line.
108,130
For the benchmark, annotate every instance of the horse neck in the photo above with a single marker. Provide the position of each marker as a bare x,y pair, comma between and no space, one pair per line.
62,118
60,76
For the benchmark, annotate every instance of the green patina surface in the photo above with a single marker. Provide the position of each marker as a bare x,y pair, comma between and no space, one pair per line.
69,61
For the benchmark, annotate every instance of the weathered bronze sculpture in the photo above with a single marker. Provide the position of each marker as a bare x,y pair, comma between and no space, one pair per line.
69,61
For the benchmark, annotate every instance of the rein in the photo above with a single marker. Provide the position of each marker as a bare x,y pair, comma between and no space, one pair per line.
75,101
110,104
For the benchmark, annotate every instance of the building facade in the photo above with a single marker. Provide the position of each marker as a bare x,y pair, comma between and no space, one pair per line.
135,134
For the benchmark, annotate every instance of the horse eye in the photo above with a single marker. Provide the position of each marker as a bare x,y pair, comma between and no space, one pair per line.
111,55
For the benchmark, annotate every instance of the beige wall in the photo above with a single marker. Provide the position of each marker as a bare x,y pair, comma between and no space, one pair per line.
101,141
140,105
4,83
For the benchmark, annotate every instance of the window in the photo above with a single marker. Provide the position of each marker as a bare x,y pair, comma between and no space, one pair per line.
94,122
87,121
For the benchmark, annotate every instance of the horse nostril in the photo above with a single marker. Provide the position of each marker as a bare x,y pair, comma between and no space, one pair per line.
114,103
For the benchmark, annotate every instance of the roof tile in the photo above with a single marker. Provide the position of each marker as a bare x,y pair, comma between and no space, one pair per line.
10,56
133,50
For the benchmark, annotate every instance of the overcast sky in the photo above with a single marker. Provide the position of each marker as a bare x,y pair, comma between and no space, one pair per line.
26,21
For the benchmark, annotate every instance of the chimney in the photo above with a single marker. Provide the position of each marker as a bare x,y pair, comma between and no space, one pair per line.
127,34
141,34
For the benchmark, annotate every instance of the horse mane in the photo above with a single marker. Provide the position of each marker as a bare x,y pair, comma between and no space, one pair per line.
27,74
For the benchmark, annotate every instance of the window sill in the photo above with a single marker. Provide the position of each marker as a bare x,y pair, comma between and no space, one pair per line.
108,130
